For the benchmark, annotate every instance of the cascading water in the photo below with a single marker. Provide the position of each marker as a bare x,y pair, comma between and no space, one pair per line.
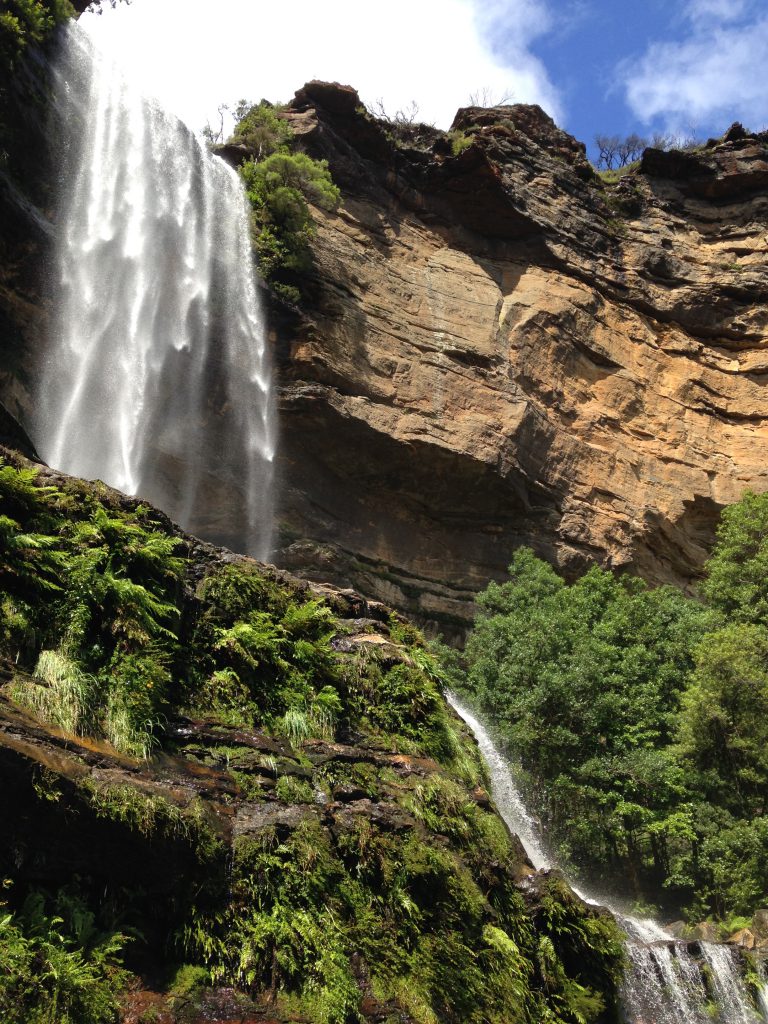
667,981
157,380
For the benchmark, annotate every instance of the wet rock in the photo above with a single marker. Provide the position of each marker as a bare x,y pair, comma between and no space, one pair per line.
706,931
744,937
678,929
13,435
760,924
347,792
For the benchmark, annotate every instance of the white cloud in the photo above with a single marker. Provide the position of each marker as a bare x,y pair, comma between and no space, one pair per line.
717,10
193,55
716,74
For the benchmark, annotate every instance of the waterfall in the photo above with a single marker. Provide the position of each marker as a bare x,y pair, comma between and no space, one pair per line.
667,981
157,378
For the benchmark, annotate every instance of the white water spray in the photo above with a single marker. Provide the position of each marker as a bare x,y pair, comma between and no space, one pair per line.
158,379
666,981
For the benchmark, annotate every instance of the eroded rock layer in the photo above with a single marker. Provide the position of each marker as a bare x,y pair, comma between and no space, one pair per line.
502,349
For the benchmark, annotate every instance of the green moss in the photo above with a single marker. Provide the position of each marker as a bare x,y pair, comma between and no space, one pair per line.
294,791
151,815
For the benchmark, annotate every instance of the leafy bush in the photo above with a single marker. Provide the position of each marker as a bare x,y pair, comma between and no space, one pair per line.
737,573
57,968
109,621
261,129
280,189
280,185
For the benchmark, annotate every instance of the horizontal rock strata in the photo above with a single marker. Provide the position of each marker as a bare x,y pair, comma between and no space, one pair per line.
502,349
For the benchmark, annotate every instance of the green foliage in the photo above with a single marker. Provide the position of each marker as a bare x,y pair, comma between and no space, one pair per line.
638,716
724,722
294,791
460,141
737,573
281,185
260,128
105,635
280,189
24,23
154,815
56,968
436,940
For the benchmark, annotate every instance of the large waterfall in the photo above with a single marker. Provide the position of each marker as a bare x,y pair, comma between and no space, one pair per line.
157,379
666,981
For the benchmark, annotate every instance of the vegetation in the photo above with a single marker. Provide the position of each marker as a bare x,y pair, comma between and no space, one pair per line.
365,861
97,587
639,717
56,967
281,183
459,141
24,23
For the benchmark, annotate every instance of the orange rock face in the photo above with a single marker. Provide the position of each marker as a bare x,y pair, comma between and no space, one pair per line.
501,349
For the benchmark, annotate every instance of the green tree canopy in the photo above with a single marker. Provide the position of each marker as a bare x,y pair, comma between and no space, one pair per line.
737,572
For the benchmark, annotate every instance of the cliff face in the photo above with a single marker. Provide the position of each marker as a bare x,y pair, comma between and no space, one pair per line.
27,187
504,350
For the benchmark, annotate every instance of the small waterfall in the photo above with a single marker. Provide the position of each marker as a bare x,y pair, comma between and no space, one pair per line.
762,992
729,990
157,379
666,981
663,985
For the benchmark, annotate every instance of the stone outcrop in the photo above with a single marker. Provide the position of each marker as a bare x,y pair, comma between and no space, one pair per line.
501,348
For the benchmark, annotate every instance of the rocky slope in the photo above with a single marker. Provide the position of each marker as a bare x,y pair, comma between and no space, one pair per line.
502,349
309,837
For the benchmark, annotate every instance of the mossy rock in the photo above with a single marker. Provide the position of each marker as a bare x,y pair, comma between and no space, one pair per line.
303,819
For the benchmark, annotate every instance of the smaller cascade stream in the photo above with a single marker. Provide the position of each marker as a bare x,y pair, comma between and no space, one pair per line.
667,981
157,378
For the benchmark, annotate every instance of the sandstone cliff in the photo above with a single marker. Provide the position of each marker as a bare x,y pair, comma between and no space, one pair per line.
502,349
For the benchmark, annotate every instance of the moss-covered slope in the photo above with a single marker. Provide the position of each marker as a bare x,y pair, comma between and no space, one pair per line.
254,778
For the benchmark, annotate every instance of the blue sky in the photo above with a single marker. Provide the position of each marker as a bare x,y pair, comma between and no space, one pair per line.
611,66
657,65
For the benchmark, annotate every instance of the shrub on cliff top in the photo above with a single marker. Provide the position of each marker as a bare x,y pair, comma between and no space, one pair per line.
281,185
280,189
261,129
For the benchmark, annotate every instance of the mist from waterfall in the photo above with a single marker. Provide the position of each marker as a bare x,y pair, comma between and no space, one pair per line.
157,378
667,981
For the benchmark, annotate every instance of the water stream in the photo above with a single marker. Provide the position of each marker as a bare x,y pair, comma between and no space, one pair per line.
667,981
157,379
